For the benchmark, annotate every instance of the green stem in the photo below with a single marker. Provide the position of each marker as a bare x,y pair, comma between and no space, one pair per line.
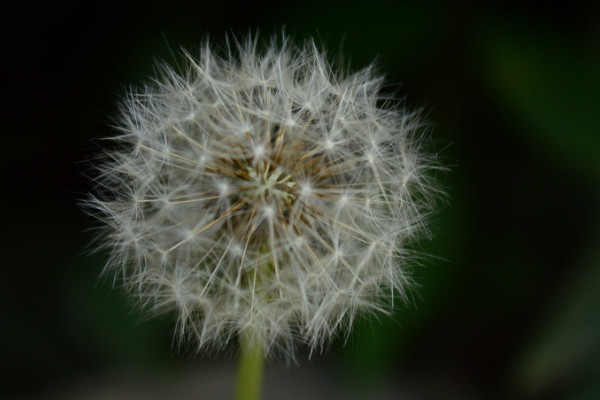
250,369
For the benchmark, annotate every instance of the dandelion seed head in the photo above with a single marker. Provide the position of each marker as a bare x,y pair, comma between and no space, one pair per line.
264,193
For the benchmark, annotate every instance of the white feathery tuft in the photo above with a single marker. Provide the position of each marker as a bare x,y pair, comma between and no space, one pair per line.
264,193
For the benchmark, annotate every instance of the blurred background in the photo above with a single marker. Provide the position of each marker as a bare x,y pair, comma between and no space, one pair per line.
509,300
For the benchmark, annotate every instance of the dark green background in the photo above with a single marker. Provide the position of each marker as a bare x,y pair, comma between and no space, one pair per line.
509,301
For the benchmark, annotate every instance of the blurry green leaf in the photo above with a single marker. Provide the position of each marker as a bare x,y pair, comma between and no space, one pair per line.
565,354
551,84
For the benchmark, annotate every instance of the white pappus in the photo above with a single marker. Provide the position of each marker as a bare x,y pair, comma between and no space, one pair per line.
263,193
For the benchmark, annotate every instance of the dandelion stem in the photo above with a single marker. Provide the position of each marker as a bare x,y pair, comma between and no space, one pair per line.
250,369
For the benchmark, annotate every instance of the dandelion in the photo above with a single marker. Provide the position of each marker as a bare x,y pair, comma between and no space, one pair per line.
264,196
